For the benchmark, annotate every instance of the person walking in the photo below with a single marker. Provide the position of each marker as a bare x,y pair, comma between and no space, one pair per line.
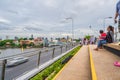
117,14
92,39
117,63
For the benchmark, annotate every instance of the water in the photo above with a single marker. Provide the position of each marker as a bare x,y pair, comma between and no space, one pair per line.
11,51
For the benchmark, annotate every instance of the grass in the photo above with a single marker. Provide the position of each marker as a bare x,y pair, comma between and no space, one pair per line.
54,68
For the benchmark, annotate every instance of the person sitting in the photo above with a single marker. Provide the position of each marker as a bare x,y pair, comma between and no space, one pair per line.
110,34
102,40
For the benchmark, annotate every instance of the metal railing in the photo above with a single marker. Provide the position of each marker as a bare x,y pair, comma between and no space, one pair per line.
36,58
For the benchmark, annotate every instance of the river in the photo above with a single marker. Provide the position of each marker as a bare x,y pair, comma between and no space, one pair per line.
14,51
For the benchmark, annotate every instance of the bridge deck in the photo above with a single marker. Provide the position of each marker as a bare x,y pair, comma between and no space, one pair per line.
78,68
103,61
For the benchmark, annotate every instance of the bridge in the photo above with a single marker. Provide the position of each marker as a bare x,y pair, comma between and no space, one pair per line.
86,64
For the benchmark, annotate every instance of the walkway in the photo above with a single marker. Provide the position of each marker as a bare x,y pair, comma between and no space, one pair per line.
78,68
91,65
103,61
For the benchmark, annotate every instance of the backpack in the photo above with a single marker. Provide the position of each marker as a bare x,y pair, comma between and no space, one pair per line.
109,38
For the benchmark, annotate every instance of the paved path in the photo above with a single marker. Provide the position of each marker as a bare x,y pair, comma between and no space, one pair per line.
103,61
78,68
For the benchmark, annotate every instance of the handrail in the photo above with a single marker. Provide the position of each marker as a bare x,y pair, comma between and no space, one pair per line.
26,53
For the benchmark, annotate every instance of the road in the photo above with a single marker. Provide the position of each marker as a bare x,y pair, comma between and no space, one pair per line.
13,72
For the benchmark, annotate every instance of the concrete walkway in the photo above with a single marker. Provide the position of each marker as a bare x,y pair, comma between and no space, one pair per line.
78,68
103,61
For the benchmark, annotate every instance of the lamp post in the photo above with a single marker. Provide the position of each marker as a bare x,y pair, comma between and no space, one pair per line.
104,21
95,31
116,34
72,20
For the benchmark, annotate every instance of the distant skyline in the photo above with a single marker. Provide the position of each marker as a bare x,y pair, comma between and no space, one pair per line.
43,17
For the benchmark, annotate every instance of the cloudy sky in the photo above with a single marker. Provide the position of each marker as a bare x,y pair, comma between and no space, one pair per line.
47,17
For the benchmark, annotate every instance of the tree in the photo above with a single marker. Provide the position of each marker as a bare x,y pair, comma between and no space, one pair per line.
2,43
24,45
13,44
87,37
31,38
20,39
31,44
25,39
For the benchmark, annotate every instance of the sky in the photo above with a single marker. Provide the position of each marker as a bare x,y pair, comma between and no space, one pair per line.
47,18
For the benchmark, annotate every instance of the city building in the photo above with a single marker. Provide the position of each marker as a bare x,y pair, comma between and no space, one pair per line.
7,37
16,38
32,36
26,42
45,42
0,39
63,40
51,40
16,42
8,44
38,41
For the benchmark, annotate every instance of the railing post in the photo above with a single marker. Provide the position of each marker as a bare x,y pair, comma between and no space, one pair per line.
3,69
39,56
69,46
53,53
72,45
66,47
61,49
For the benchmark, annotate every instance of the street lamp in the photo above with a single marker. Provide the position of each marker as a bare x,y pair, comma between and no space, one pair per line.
104,21
95,31
72,20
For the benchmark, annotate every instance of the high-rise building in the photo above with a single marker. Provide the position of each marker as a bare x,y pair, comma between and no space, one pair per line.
7,37
32,36
45,43
68,37
51,39
16,38
0,39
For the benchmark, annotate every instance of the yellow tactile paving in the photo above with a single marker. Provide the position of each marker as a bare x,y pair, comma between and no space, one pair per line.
93,71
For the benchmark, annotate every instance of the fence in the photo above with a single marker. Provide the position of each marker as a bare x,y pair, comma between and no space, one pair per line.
35,59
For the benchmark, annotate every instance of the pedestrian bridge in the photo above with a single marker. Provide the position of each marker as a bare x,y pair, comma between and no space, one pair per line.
89,64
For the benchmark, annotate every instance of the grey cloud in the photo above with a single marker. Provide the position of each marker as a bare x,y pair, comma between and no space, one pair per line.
29,28
50,12
4,27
